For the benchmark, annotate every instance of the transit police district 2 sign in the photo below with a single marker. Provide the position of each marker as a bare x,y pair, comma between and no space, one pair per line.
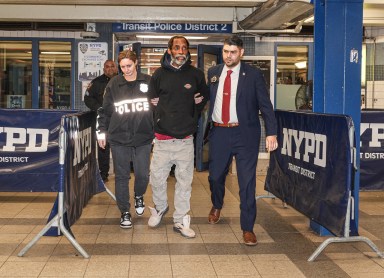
176,28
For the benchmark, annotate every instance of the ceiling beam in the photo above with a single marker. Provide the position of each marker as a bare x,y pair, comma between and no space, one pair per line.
120,14
170,3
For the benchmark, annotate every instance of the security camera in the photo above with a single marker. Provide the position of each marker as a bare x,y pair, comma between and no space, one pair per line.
88,35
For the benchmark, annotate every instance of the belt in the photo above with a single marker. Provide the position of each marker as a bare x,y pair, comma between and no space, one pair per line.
226,125
167,137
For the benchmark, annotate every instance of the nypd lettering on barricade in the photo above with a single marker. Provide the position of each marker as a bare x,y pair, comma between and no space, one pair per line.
372,150
301,171
132,105
14,159
173,27
83,145
25,137
294,168
372,155
377,131
376,140
82,171
315,146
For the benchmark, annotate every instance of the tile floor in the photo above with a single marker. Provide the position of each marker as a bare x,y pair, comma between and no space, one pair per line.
285,240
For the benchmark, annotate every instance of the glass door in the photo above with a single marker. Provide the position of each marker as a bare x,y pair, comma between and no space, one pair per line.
208,56
55,75
15,74
293,76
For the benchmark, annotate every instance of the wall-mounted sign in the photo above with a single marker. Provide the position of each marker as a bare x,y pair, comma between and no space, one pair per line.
92,56
15,101
186,28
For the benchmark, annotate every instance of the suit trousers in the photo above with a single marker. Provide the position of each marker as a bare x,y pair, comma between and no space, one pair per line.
224,144
166,153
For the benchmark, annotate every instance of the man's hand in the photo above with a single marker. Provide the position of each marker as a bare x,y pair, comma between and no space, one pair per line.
198,98
271,143
102,143
154,101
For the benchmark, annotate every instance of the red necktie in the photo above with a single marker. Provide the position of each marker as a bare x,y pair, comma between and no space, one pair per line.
226,98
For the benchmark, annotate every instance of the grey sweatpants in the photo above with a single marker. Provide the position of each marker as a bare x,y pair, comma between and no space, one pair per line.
166,153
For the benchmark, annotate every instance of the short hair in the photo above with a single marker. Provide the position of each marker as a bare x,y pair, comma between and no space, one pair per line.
234,40
108,61
170,42
129,54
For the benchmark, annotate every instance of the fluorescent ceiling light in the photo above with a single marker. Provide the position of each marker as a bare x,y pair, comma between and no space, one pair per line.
168,37
56,52
301,65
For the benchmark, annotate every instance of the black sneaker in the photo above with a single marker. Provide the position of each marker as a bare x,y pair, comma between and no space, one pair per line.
139,205
125,220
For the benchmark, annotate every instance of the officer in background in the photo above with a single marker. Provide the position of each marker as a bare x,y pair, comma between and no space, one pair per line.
93,99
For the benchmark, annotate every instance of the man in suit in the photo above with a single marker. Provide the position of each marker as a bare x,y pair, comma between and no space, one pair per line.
237,93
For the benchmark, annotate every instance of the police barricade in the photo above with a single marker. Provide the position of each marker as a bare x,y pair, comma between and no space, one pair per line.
29,149
372,150
313,171
51,150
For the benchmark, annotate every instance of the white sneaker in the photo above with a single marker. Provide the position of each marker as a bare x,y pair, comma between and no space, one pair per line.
139,205
184,228
156,216
125,220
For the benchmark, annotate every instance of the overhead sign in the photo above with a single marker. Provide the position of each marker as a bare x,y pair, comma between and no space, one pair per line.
185,28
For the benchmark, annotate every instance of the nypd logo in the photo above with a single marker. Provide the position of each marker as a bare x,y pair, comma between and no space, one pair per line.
83,47
375,142
306,146
83,145
24,139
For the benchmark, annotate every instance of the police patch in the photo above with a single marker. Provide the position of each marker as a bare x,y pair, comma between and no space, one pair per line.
144,87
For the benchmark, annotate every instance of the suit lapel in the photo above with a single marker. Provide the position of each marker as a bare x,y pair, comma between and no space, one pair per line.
241,82
215,85
213,88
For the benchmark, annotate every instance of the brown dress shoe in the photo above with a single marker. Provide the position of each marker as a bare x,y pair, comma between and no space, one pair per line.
249,238
214,216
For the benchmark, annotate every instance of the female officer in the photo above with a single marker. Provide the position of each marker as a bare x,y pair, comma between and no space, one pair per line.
126,121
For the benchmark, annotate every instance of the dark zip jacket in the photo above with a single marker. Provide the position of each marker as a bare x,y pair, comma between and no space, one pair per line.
93,97
176,113
126,116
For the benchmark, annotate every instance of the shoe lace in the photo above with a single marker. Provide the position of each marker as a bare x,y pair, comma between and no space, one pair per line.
139,201
126,216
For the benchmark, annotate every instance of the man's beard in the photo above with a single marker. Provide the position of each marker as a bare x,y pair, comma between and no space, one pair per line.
179,62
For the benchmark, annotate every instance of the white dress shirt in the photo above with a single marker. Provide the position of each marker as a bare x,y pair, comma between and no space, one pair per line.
216,115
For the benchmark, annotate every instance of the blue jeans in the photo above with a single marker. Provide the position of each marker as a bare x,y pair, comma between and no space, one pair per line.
122,157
